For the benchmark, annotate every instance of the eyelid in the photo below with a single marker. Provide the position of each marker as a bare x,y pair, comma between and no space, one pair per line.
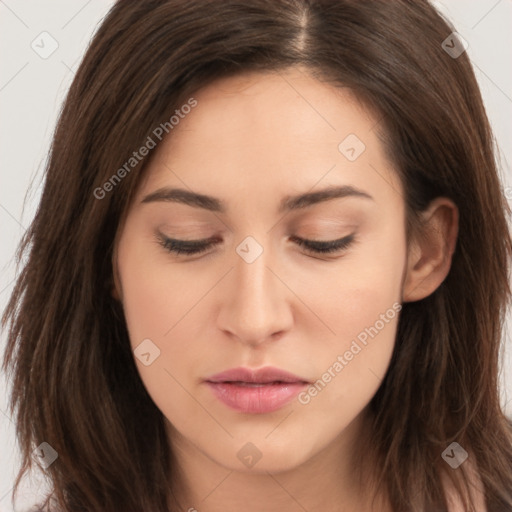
186,247
324,247
194,247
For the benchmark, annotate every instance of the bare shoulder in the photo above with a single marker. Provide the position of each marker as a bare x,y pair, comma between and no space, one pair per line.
477,489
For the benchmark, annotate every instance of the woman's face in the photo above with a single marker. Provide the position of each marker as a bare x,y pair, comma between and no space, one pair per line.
256,298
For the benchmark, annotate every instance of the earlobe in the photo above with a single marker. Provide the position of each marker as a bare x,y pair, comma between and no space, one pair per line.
431,250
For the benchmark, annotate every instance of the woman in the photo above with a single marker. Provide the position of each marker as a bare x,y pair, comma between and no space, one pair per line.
269,267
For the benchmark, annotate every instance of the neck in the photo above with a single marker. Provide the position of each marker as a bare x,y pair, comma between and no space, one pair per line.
327,481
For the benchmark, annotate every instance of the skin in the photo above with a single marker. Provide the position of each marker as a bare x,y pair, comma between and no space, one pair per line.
250,141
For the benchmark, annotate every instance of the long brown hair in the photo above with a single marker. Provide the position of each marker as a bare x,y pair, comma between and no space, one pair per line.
74,381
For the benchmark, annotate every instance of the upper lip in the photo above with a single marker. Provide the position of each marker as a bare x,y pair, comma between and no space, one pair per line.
260,375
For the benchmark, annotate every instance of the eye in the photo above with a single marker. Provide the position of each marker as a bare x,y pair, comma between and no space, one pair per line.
325,247
190,247
185,246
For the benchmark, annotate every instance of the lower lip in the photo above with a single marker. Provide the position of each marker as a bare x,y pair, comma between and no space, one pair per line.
256,399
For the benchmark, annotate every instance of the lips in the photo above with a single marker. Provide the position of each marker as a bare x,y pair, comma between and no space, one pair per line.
256,391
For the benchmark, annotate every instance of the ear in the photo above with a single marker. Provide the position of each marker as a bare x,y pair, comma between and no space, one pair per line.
429,255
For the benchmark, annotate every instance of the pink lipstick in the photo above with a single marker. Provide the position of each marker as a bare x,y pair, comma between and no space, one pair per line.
256,391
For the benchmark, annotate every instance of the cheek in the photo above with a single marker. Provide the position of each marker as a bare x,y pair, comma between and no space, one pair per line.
366,293
156,293
168,303
348,379
350,294
159,306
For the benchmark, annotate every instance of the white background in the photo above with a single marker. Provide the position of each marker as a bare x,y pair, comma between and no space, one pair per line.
32,90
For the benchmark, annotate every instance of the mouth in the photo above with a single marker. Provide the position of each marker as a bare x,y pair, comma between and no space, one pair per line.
256,384
255,391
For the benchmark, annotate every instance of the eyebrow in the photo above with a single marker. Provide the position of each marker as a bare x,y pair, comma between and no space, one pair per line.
288,203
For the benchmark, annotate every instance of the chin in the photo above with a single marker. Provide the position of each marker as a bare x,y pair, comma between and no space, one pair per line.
265,455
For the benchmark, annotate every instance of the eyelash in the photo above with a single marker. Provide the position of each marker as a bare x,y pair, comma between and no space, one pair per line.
193,247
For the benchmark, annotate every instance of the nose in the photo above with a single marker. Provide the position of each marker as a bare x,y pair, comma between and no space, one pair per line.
256,307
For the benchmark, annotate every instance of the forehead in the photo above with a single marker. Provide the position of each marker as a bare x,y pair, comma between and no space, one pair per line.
257,110
263,132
